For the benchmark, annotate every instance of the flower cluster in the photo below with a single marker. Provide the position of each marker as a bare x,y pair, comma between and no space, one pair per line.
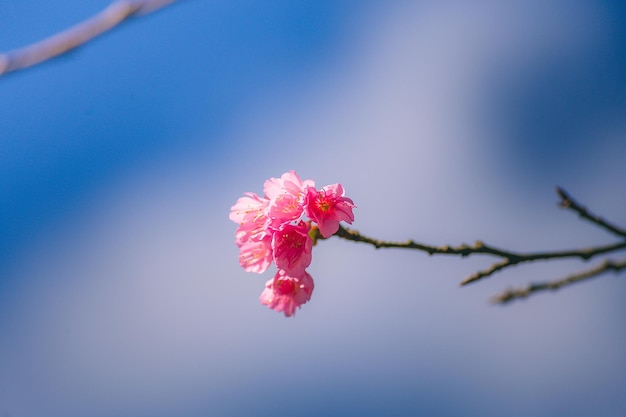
274,228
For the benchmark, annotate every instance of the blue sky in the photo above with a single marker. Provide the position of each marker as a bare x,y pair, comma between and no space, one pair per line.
120,292
129,97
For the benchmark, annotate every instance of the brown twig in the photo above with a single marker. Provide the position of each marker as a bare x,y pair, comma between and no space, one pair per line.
568,202
77,35
510,258
523,292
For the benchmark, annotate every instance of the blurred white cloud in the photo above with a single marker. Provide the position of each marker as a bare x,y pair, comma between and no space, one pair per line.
139,307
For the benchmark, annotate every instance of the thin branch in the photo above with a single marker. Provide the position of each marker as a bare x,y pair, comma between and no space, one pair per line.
462,250
568,202
509,258
523,292
514,259
77,35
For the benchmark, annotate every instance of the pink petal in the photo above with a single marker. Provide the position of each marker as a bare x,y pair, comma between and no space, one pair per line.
285,293
256,256
292,248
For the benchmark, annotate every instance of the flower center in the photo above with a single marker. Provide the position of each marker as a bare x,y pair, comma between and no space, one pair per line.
285,287
323,205
292,240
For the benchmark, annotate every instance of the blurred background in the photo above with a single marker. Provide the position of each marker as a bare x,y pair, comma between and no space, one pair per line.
446,122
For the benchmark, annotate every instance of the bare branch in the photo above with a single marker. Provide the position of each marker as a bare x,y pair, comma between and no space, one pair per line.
462,250
509,258
568,202
77,35
514,259
523,292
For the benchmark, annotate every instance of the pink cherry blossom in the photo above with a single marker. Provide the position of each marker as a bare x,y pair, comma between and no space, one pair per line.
292,247
328,207
285,293
250,213
272,229
276,186
286,196
256,256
